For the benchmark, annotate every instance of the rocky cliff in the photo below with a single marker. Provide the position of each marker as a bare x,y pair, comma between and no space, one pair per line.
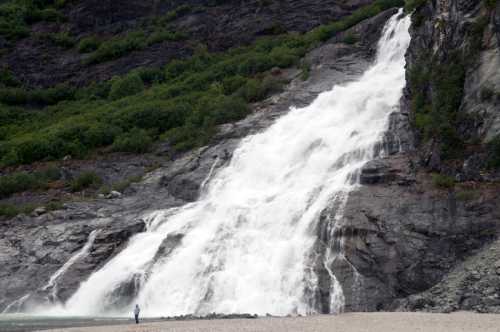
421,233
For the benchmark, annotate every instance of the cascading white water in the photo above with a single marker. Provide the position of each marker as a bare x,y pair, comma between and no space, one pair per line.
52,284
247,239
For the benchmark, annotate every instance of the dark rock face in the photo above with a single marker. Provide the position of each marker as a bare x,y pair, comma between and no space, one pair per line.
33,249
401,236
41,64
404,243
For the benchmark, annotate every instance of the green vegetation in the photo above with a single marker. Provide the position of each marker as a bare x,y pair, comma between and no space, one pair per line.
17,15
135,141
11,210
88,44
39,97
22,181
327,31
443,181
126,86
7,79
490,4
411,5
172,15
305,70
183,102
494,153
351,39
86,180
468,194
136,40
437,92
62,39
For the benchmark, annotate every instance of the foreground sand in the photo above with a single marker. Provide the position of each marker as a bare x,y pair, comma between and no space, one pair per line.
352,322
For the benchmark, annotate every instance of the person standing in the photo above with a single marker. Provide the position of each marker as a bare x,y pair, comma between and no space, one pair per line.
137,310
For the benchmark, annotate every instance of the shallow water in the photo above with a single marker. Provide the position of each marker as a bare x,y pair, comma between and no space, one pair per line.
25,323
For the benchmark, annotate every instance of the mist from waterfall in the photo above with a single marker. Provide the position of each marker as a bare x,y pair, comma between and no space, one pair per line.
244,246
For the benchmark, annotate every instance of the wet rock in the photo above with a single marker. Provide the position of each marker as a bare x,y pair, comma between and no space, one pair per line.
39,211
113,195
375,172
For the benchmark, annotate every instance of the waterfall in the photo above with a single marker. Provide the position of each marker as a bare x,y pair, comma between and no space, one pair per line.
51,286
244,246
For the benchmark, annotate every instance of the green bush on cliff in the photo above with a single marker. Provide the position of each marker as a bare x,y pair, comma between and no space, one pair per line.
88,44
17,15
411,5
135,141
442,181
493,148
86,180
11,210
38,97
437,91
117,47
22,181
126,86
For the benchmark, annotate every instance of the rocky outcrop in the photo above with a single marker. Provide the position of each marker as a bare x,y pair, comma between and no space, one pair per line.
404,242
401,235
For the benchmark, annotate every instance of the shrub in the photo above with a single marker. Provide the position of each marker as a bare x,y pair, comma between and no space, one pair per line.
351,39
126,86
16,15
135,141
88,44
22,181
62,39
490,4
86,180
231,84
11,210
151,75
117,47
493,148
443,181
283,57
41,97
411,5
256,90
7,79
164,35
173,14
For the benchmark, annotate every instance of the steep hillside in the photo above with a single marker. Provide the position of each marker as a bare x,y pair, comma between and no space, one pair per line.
87,85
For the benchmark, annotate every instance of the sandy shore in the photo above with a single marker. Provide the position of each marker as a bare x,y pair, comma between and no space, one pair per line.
352,322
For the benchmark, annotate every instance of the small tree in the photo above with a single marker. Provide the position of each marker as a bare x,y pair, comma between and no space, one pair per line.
126,86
